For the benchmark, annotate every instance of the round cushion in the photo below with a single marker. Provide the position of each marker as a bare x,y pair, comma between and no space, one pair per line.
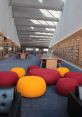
66,85
32,67
50,76
8,78
20,71
31,86
63,70
75,75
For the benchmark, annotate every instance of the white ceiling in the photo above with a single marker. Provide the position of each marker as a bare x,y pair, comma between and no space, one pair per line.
34,26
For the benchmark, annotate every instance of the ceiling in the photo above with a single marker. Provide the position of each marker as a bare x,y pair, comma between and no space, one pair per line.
36,20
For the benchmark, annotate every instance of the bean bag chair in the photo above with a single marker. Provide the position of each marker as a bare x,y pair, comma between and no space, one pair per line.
32,67
31,86
8,78
50,76
19,70
62,70
75,75
65,85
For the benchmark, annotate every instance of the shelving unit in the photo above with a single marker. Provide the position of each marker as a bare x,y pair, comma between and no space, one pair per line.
70,48
1,45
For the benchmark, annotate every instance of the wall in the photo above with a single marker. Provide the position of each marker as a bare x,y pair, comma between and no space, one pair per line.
7,25
70,21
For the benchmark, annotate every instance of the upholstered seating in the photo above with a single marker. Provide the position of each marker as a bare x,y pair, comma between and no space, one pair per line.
65,85
8,78
50,76
19,70
10,102
75,75
63,70
6,98
32,67
31,86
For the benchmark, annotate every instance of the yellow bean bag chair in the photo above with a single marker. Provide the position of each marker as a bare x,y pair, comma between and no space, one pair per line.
63,70
19,70
31,86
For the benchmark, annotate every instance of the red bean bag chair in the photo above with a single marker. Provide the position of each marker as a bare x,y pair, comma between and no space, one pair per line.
50,76
32,67
75,75
8,78
66,85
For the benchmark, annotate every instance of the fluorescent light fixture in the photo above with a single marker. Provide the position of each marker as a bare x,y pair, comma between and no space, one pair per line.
55,23
50,23
50,29
32,28
37,49
42,22
44,39
34,21
43,33
36,36
56,14
46,50
41,1
46,13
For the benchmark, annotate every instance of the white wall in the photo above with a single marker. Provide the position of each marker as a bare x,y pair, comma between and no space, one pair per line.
7,25
70,21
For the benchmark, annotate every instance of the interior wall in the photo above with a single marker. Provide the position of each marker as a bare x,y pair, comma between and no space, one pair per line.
7,25
70,21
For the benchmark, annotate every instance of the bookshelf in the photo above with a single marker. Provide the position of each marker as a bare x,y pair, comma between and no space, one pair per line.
70,48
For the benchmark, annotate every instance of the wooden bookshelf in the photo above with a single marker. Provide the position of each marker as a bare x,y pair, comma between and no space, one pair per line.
1,44
70,48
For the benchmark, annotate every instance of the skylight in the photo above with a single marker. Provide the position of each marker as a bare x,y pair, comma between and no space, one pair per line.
50,23
55,23
36,36
56,14
32,28
46,13
50,29
34,21
41,1
43,33
43,22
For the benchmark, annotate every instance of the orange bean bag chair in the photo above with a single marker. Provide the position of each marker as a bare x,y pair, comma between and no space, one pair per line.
31,86
19,70
62,70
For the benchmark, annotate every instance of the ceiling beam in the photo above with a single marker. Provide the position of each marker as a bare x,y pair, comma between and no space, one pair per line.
34,46
34,25
37,6
30,38
28,35
35,31
36,18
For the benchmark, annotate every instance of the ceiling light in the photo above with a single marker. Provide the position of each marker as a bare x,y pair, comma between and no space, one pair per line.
56,14
43,22
46,13
43,33
50,29
32,28
50,23
34,21
55,23
41,1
